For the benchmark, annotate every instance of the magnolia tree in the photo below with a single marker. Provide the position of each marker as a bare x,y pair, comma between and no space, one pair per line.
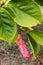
26,14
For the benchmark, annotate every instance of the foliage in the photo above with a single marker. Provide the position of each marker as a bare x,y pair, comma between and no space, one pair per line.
24,13
39,2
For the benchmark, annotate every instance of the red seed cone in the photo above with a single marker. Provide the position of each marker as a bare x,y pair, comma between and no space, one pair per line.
22,46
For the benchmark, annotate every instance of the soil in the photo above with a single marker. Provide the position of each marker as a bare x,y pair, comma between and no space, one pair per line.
15,58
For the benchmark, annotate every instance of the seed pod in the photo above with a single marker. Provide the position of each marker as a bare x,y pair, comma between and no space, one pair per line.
23,49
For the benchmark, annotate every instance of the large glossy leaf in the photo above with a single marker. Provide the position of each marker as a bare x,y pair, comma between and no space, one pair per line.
34,46
27,13
8,27
37,35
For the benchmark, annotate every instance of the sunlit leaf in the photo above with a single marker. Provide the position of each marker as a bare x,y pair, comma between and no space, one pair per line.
8,27
34,46
37,35
27,13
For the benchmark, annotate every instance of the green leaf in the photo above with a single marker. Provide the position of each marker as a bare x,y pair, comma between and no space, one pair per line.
39,2
15,37
27,13
34,46
23,28
37,35
8,27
